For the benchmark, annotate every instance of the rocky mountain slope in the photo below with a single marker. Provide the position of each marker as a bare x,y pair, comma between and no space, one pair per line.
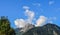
48,29
20,31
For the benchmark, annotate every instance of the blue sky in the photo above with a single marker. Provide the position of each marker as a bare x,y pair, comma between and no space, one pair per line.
14,9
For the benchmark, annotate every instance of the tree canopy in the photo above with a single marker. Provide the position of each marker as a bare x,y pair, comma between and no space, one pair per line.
5,28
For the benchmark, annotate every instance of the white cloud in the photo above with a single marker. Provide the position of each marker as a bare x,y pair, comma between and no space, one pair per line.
51,2
37,4
30,15
20,23
25,7
41,21
51,19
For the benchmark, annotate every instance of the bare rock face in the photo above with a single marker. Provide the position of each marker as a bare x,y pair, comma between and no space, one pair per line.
20,31
27,27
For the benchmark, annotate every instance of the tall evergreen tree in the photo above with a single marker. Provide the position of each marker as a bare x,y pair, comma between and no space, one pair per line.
5,28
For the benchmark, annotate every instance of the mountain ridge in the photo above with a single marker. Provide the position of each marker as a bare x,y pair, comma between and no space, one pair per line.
48,29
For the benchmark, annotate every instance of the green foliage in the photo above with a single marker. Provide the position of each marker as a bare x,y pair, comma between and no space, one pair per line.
5,28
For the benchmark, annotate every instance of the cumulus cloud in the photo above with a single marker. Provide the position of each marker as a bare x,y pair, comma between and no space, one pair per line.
51,2
30,15
41,20
21,22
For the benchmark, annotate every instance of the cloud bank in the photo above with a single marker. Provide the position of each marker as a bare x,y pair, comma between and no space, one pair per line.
20,23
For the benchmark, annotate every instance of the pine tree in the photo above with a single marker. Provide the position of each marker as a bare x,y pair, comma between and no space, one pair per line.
5,28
